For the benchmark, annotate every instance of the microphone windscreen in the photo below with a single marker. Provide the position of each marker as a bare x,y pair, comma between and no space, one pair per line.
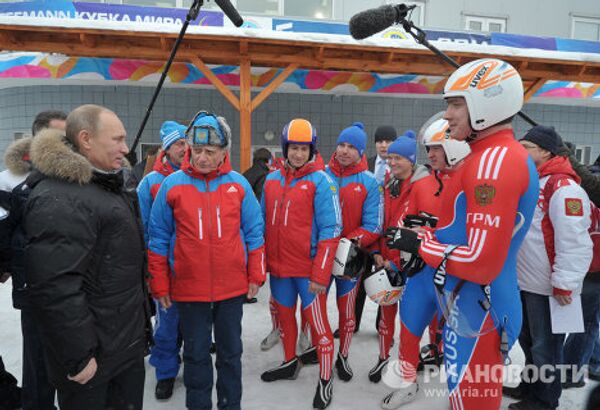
369,22
230,12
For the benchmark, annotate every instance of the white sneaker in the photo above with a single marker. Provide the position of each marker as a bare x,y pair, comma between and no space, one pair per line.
303,342
271,340
400,397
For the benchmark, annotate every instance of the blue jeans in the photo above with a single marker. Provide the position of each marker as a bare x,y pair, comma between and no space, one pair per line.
164,355
579,347
541,347
196,320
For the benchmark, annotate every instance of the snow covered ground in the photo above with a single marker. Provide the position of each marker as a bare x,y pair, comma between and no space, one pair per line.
359,393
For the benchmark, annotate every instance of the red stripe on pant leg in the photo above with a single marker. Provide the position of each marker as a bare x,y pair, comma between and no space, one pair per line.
305,326
386,329
408,352
289,330
483,392
347,321
273,311
316,314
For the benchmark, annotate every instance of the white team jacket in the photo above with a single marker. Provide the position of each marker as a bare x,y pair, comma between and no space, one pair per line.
572,244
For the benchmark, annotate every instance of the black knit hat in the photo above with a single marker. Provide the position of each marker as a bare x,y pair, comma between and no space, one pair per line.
544,137
385,133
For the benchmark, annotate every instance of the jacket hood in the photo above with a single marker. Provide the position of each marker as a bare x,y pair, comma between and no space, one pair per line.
419,172
189,169
16,157
558,165
162,165
55,157
341,172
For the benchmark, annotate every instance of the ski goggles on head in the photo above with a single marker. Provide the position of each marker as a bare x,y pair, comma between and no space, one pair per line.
205,130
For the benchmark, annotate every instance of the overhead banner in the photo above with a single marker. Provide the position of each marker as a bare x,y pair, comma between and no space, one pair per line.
61,9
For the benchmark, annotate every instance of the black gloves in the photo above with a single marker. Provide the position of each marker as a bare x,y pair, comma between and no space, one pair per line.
402,239
424,219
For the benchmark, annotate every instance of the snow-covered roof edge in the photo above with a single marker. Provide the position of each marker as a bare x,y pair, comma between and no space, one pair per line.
498,51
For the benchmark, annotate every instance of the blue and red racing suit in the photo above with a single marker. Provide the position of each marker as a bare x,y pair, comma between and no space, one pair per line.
416,195
361,201
164,355
418,306
303,224
486,211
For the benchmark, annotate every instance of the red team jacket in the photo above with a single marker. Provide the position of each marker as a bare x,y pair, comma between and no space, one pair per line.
360,201
416,195
206,236
303,222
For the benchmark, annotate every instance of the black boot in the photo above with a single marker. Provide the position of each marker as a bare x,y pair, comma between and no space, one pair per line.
375,372
286,371
323,394
309,356
343,368
164,389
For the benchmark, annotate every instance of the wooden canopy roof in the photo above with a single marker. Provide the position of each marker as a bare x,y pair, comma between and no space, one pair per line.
246,51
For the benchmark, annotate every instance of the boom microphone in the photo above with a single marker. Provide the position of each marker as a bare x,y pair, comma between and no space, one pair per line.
230,11
372,21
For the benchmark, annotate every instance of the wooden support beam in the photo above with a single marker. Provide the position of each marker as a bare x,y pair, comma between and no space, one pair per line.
320,52
216,82
268,90
165,44
245,114
533,88
243,48
87,40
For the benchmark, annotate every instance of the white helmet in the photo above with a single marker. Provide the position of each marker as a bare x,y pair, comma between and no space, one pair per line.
384,287
349,261
437,134
492,89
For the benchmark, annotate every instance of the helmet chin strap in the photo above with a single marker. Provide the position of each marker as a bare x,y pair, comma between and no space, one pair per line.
471,137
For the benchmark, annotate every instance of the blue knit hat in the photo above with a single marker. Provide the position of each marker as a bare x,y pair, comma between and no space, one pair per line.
354,135
170,132
405,146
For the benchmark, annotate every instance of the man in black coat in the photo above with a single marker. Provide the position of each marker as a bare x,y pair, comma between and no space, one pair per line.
259,170
85,263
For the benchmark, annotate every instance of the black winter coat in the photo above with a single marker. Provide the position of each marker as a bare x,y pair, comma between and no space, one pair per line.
256,176
84,264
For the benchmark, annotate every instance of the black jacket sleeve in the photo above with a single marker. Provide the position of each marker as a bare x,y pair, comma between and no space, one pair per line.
589,182
61,233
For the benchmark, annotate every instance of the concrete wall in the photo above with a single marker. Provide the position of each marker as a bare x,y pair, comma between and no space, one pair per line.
329,113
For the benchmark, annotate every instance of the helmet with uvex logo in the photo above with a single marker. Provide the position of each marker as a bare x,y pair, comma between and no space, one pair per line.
492,89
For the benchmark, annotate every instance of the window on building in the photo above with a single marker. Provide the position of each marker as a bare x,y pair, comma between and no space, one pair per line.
417,15
583,153
316,9
489,24
586,28
270,7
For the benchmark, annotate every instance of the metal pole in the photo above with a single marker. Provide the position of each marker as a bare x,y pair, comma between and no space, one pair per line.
191,16
421,37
